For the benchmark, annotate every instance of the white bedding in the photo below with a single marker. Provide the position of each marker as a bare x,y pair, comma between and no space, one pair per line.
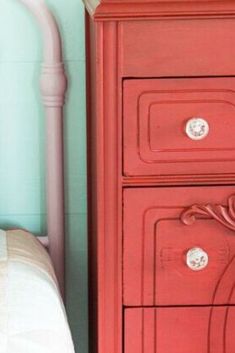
32,316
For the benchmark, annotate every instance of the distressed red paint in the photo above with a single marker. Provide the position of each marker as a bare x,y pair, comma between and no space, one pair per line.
152,67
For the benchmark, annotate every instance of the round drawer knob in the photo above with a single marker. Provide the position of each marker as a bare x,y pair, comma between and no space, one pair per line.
197,259
197,128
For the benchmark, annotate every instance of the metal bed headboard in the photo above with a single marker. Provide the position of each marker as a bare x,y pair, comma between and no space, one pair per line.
53,84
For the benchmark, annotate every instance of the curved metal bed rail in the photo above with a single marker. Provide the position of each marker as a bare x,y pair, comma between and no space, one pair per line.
53,84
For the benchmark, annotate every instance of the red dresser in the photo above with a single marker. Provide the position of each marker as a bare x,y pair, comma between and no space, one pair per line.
161,147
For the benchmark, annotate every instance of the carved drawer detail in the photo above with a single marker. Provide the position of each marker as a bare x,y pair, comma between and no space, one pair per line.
158,246
225,215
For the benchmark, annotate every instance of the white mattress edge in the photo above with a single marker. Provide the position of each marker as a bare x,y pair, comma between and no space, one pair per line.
3,246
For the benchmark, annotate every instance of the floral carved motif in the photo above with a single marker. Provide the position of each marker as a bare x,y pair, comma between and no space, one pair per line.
225,215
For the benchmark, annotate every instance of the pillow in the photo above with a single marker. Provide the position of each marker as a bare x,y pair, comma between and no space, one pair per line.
32,315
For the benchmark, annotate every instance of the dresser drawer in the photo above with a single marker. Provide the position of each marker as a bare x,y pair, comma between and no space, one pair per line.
180,330
178,47
175,254
179,126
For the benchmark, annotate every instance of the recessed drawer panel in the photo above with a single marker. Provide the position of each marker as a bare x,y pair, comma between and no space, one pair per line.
179,126
179,246
180,330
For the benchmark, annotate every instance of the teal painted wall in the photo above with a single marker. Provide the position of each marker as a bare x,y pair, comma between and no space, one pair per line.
22,196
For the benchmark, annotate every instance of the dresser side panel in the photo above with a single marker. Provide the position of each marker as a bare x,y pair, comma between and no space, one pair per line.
105,190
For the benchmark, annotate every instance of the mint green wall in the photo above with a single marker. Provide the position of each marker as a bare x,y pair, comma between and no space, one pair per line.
22,197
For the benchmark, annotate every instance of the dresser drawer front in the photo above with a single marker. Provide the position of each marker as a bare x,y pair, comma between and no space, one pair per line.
167,262
178,47
180,330
160,135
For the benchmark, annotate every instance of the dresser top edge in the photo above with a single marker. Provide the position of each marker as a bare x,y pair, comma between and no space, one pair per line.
131,9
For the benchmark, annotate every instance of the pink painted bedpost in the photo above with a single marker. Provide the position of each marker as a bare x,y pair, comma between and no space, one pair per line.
53,89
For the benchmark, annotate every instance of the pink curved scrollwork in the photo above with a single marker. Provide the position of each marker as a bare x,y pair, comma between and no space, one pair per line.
225,215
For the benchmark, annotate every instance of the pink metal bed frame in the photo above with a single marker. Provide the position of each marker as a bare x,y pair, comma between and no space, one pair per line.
53,85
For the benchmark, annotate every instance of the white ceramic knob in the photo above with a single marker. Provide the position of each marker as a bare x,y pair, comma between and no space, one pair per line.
197,259
197,128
